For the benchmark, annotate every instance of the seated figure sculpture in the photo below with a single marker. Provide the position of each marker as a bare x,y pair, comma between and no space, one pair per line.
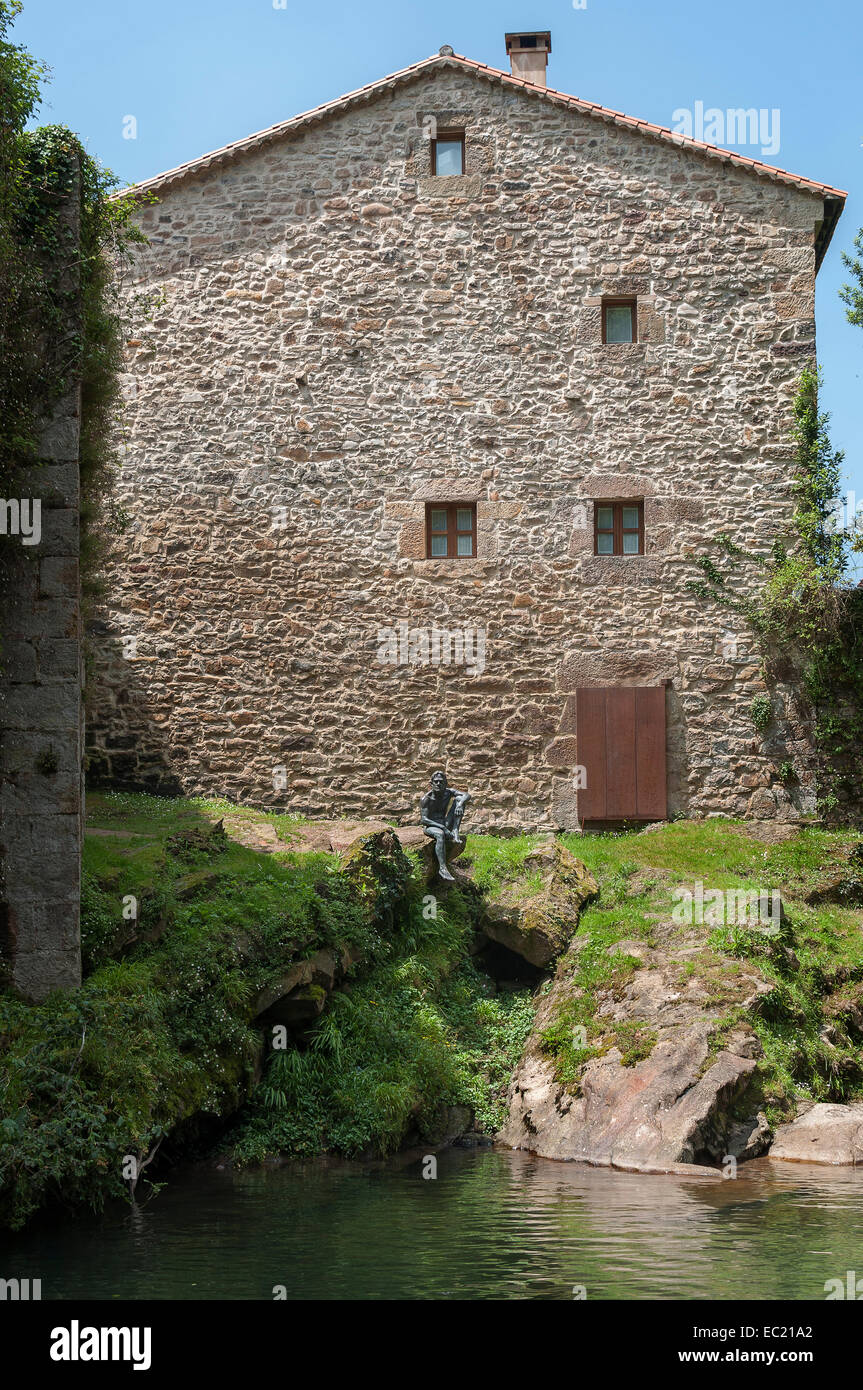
441,811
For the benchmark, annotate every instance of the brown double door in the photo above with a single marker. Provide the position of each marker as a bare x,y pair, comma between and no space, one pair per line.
621,746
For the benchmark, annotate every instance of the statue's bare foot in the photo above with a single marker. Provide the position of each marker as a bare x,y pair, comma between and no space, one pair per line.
445,873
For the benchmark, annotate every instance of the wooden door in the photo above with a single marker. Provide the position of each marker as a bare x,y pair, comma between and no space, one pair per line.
621,746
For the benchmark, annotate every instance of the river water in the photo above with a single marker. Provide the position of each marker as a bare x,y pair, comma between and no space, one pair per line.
491,1225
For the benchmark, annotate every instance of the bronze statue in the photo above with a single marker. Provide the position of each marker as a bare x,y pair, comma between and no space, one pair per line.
441,810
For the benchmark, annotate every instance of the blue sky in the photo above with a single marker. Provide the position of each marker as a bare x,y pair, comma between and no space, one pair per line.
196,74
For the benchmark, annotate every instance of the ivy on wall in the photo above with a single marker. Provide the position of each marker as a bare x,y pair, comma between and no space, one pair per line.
60,319
806,614
20,81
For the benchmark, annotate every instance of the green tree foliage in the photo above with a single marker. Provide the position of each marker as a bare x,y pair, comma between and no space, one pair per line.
20,84
60,318
852,295
803,607
817,485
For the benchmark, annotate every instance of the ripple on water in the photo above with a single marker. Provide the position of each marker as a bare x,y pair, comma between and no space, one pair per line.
493,1225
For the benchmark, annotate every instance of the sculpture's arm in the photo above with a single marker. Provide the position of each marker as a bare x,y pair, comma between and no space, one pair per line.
425,818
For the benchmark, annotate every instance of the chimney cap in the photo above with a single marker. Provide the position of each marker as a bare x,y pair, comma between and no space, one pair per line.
537,38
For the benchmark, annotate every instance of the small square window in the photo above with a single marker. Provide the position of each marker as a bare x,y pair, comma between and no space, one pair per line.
619,321
619,528
451,532
447,153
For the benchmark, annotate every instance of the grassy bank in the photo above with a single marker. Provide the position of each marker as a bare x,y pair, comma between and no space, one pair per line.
161,1036
158,1052
158,1048
809,1024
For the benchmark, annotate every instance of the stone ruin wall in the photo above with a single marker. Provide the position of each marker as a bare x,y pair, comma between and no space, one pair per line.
341,336
41,699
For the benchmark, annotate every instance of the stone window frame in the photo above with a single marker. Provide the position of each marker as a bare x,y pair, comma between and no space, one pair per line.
668,513
409,515
648,320
479,153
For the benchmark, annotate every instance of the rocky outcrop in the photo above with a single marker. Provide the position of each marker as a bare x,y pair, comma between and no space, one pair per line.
684,1102
822,1134
298,997
408,837
416,838
202,841
770,832
537,916
315,837
378,870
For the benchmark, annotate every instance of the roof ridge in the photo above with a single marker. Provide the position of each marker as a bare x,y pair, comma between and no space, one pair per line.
317,113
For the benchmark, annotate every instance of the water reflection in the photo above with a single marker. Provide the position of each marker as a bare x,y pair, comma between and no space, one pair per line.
493,1225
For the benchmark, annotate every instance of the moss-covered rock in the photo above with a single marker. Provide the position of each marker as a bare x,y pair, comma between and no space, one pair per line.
537,914
379,871
301,993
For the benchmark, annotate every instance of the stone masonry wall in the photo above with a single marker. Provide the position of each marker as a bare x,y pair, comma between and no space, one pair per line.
341,338
41,712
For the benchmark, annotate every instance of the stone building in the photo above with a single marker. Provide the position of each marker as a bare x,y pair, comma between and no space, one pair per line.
448,384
